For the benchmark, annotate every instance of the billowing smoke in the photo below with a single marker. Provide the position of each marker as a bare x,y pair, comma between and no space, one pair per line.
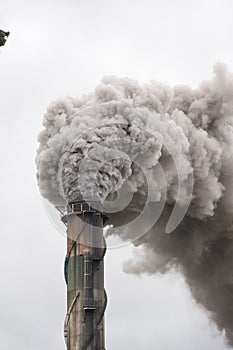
147,145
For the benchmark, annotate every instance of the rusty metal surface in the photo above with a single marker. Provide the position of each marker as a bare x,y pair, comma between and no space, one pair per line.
86,297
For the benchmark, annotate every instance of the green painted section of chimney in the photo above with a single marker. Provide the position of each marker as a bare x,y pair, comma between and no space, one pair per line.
74,272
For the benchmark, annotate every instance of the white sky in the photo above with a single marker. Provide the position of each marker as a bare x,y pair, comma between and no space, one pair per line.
59,48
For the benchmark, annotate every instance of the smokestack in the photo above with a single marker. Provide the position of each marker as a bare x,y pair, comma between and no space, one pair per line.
84,274
163,156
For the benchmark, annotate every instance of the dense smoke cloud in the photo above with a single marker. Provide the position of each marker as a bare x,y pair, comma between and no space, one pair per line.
122,136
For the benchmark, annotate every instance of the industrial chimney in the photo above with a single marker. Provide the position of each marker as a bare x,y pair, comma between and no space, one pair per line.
84,274
152,150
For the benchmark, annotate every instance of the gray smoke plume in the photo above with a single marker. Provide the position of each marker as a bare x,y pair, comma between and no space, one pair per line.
157,144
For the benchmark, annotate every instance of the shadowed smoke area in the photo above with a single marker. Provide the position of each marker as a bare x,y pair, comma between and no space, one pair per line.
118,138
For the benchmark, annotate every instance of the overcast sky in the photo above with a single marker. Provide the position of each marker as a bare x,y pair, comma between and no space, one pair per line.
59,48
